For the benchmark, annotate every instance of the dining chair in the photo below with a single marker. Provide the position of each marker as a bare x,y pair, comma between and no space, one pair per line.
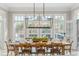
25,48
56,48
10,48
68,47
48,48
40,48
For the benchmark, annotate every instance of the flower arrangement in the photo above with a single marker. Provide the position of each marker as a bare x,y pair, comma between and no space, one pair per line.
40,39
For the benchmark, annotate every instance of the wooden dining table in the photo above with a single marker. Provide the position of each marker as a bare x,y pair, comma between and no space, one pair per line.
63,44
17,44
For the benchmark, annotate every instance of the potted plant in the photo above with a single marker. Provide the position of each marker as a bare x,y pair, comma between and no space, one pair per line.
44,39
35,39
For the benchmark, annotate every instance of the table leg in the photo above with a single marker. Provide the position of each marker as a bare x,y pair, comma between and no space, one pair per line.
63,51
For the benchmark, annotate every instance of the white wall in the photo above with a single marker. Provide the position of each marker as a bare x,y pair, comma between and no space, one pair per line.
10,26
74,28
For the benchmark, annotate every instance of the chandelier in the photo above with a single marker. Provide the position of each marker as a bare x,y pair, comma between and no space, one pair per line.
42,21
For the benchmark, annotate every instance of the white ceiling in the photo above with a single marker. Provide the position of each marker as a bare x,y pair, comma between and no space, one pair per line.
38,6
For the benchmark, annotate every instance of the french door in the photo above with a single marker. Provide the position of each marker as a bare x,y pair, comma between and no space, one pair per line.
77,33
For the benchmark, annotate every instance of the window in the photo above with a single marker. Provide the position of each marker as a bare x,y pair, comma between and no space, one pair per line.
19,27
39,26
59,24
32,32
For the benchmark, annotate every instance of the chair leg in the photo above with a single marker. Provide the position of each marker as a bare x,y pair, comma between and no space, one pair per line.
11,53
7,53
70,51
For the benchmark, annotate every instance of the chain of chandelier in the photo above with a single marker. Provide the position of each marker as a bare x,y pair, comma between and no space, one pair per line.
43,12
